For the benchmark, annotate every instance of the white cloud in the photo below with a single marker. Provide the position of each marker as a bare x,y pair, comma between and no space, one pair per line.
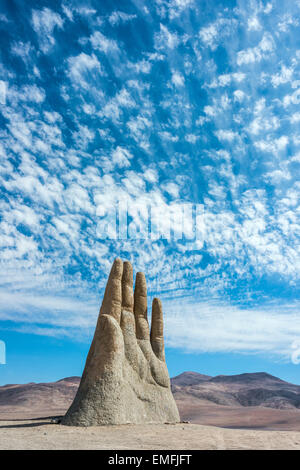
239,95
22,49
77,200
119,137
168,136
59,311
224,328
102,43
3,92
254,24
286,21
139,128
295,118
211,326
284,76
172,189
83,136
208,35
22,214
121,157
143,66
165,38
113,108
294,98
177,79
263,123
118,17
277,176
268,8
267,43
226,135
256,54
264,119
272,145
151,175
216,32
80,68
176,7
86,11
31,93
191,138
68,12
210,110
44,23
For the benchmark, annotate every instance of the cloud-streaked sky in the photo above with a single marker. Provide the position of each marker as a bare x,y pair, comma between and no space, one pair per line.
162,102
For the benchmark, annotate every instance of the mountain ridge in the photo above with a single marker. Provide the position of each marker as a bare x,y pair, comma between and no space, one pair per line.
250,400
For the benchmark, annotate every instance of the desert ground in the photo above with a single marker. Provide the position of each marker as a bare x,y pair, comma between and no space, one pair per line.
41,434
250,411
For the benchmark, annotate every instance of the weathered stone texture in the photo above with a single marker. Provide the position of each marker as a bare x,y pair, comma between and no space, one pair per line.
125,379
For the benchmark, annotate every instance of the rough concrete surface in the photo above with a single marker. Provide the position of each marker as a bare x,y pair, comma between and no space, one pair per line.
125,379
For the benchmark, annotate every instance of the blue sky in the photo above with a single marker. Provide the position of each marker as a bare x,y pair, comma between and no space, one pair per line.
163,102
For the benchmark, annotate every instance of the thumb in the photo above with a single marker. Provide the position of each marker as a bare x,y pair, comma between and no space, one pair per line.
107,349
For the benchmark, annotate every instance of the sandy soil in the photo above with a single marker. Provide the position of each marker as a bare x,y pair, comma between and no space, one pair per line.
41,434
252,417
193,410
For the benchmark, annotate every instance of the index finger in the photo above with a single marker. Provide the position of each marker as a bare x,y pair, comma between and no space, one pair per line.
112,300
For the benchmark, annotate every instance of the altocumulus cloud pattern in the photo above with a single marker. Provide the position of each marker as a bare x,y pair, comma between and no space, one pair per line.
168,101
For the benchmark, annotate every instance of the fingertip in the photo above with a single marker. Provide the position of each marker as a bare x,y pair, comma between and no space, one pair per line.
156,304
140,289
127,286
111,304
140,306
140,277
140,295
117,268
157,319
127,273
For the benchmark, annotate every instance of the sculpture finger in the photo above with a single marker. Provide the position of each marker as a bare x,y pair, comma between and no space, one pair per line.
129,338
112,300
127,287
127,317
107,348
140,307
157,329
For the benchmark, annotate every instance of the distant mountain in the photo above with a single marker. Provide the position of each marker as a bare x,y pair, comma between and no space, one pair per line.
256,389
247,378
37,399
257,400
189,378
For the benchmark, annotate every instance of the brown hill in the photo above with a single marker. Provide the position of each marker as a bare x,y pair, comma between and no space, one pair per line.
257,389
258,400
37,399
254,401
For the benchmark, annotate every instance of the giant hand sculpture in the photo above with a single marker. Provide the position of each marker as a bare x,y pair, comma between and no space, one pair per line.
125,379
